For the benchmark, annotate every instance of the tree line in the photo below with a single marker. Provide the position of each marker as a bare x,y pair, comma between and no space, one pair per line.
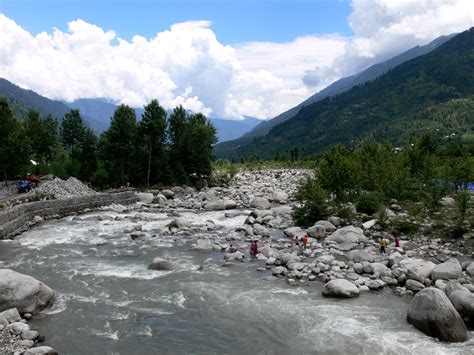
158,149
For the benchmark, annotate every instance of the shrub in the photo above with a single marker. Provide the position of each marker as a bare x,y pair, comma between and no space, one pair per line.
314,205
462,203
100,178
369,203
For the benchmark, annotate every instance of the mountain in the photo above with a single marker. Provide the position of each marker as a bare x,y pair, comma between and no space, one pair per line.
335,88
434,91
102,111
22,100
231,129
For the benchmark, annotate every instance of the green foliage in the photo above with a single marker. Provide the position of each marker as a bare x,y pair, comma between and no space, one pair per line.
462,204
100,178
314,205
369,203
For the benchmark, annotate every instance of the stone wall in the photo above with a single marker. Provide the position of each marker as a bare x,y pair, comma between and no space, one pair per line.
14,220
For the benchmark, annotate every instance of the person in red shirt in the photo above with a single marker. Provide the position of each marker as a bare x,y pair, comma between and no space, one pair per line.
254,249
305,241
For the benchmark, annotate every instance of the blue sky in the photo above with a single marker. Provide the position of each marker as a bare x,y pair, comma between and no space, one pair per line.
233,21
224,58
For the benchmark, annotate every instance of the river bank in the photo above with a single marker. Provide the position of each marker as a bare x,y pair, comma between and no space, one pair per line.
100,260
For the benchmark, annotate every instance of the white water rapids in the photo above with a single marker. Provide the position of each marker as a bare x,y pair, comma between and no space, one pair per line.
108,302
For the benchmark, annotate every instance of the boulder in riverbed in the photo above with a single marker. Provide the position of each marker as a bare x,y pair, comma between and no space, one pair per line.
161,264
279,196
448,270
23,292
417,269
340,288
260,203
349,234
431,312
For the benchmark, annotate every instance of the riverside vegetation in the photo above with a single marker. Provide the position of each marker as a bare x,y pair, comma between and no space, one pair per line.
161,148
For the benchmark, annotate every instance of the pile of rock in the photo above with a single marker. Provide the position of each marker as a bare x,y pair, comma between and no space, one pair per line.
59,189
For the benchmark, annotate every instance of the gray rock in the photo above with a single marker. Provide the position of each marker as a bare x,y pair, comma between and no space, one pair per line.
464,303
41,350
136,234
29,334
349,234
470,269
26,343
230,204
167,193
450,269
452,286
335,220
279,270
260,203
369,224
279,196
23,292
360,255
340,288
215,205
441,285
417,269
431,312
375,284
10,315
145,197
414,285
17,328
447,202
395,258
161,264
326,259
179,223
317,231
380,270
258,229
203,244
327,225
234,256
294,232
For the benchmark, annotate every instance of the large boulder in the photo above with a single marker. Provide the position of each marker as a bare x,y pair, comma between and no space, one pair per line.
417,269
317,231
230,204
381,270
258,229
279,196
464,304
431,312
145,197
349,234
470,269
448,270
340,288
216,205
359,256
23,292
203,244
260,203
179,223
328,226
295,232
395,258
161,264
46,350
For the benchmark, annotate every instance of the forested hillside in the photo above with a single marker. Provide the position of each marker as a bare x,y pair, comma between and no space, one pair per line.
432,92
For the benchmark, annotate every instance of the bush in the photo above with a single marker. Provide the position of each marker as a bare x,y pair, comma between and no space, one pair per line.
369,203
100,178
462,203
314,206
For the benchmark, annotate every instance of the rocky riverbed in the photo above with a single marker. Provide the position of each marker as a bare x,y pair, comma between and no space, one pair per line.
171,228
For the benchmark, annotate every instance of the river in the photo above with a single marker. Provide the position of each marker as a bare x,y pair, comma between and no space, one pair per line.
108,302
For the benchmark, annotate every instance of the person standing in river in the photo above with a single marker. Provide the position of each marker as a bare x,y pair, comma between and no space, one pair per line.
396,236
254,249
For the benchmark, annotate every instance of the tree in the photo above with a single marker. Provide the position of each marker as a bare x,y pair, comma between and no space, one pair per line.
13,143
200,138
153,130
72,132
118,145
176,140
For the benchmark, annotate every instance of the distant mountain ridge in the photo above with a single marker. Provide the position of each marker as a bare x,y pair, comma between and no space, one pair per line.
102,111
335,88
431,91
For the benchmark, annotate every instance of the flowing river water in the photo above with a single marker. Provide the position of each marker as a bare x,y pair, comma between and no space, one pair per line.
108,302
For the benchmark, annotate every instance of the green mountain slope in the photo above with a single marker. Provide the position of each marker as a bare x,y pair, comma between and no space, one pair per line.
431,92
335,88
22,100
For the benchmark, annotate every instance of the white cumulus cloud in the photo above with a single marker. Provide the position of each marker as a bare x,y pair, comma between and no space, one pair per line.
187,65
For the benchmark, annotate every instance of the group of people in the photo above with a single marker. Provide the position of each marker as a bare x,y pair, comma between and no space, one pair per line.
383,241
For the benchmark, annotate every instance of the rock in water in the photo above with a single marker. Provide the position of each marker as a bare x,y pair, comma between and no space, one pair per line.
23,292
448,270
161,264
279,196
340,288
431,312
41,350
347,234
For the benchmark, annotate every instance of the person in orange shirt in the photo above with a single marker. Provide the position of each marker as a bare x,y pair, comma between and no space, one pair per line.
305,241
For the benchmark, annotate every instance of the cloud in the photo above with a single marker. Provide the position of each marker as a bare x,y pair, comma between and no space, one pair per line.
385,28
186,64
